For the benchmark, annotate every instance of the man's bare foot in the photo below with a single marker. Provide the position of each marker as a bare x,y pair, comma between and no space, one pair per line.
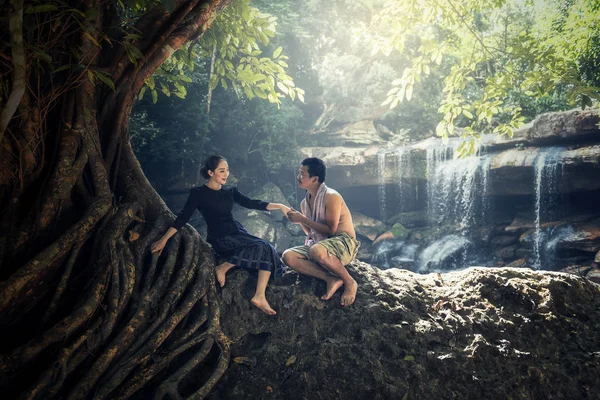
333,285
263,304
221,271
349,294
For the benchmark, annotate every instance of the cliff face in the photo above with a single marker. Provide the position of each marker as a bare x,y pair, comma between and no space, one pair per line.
470,334
532,197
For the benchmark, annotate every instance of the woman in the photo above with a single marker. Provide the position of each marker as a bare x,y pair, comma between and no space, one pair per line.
230,240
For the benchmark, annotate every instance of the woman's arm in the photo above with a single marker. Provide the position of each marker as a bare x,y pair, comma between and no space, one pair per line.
278,206
159,245
182,219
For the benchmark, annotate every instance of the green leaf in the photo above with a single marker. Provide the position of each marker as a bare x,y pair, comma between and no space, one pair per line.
142,91
277,52
409,91
467,114
92,39
409,358
213,82
260,93
106,80
248,92
169,5
154,96
62,68
42,8
282,87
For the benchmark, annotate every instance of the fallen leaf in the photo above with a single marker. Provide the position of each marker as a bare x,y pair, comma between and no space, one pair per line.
133,236
290,361
245,360
133,216
438,306
269,389
440,277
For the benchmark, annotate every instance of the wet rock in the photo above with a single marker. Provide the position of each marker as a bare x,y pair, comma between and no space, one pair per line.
594,275
523,252
520,263
579,270
507,252
413,219
521,223
502,241
367,226
572,124
473,334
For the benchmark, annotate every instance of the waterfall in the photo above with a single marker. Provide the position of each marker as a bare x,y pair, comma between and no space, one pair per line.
392,253
381,184
435,157
403,173
441,252
547,181
455,190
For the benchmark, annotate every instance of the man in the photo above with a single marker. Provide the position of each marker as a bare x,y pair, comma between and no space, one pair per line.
330,238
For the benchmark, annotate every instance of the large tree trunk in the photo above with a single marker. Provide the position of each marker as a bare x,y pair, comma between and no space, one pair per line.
85,309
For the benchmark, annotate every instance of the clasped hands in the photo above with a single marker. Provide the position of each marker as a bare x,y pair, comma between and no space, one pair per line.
291,214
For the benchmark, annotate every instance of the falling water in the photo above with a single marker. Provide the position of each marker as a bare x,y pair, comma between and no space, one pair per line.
390,254
548,172
455,191
435,156
381,184
403,173
441,251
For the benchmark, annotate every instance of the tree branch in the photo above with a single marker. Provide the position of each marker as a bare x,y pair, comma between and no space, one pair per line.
15,23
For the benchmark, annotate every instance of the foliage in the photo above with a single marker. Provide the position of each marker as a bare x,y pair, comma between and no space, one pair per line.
498,51
239,41
172,138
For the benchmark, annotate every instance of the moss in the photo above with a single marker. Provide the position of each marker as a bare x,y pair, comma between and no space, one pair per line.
399,231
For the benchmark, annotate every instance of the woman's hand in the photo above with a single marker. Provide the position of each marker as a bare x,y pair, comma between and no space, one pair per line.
278,206
158,246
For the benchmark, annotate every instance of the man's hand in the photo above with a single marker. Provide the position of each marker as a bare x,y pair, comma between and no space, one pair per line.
295,216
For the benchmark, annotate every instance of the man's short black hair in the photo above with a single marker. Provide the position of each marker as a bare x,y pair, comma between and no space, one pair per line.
315,167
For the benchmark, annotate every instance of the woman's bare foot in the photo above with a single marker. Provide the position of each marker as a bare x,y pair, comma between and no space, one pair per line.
263,304
349,294
333,284
221,271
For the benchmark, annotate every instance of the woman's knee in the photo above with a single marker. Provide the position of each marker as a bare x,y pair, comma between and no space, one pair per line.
289,258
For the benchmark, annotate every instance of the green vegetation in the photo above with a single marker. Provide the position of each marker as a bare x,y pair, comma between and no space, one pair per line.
418,68
502,60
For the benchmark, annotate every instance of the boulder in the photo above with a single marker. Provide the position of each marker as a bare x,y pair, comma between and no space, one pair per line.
508,252
502,241
567,125
470,334
412,219
272,194
367,226
519,263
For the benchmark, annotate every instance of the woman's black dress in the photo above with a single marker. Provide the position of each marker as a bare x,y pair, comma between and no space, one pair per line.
230,240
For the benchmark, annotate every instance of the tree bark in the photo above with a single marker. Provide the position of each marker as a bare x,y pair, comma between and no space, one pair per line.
86,310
